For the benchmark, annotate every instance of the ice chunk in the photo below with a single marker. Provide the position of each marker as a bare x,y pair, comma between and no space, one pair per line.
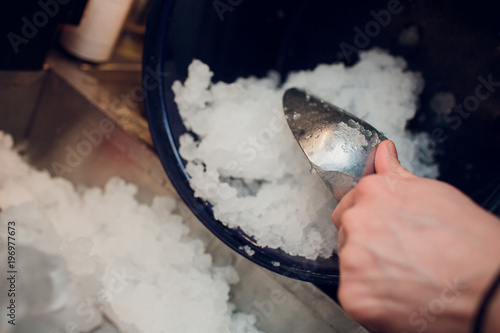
98,256
247,164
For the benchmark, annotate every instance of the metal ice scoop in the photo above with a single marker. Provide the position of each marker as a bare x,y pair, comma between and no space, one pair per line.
340,146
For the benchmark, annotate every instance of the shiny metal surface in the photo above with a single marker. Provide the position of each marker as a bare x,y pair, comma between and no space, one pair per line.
340,146
19,92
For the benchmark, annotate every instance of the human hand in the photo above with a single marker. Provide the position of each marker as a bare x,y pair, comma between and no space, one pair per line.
415,254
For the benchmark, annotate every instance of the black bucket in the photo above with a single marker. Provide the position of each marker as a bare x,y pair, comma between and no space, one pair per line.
457,50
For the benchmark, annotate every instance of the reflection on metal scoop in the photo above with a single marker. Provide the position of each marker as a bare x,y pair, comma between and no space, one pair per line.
340,146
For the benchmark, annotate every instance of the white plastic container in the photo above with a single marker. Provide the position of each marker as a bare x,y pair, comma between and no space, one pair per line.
95,38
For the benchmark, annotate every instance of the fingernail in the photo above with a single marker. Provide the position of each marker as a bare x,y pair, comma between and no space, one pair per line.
392,149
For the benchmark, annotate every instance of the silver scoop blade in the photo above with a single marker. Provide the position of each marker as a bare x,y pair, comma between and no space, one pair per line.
340,146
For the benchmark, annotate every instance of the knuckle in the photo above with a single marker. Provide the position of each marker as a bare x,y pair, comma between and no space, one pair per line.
361,309
357,260
355,311
352,220
368,185
349,260
355,291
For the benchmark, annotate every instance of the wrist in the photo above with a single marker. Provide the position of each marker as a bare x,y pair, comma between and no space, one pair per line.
487,320
492,315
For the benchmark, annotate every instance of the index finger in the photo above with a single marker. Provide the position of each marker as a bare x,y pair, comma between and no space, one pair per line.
347,202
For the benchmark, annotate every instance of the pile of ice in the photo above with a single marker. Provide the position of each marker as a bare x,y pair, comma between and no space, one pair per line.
97,256
246,163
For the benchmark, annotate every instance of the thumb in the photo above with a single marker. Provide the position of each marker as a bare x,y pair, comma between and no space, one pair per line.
387,162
